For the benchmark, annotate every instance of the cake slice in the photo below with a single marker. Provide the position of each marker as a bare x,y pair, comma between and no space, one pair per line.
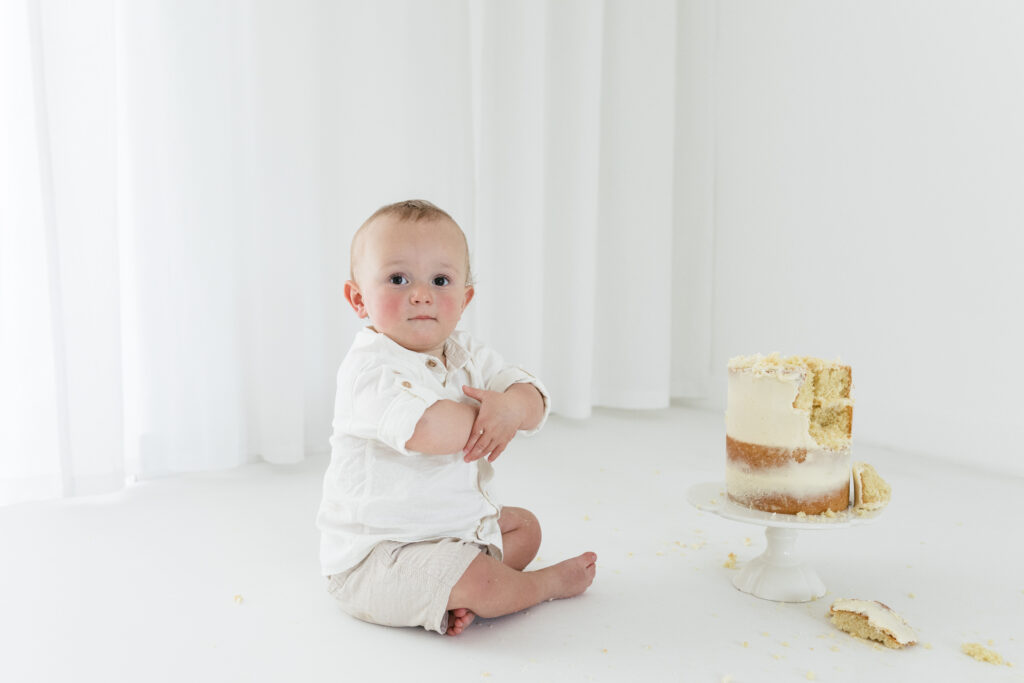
870,491
872,620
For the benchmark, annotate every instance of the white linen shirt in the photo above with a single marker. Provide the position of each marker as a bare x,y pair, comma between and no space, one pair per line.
375,489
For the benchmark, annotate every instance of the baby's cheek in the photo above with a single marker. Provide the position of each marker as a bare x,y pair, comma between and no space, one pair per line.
451,306
388,308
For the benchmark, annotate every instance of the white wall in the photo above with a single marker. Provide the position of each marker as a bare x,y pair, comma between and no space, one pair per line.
869,204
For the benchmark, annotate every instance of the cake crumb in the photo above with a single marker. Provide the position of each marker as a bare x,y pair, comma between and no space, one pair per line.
746,541
810,675
746,644
983,654
238,599
829,513
801,514
730,563
911,596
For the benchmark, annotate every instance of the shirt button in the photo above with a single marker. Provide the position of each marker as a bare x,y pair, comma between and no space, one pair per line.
431,363
407,385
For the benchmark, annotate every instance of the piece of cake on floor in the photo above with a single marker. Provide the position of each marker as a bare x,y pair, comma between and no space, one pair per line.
872,620
788,425
870,491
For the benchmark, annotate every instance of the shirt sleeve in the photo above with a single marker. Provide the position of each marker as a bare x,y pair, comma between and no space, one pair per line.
499,376
386,405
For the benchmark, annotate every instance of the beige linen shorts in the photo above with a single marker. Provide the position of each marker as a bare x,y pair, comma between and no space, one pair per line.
406,584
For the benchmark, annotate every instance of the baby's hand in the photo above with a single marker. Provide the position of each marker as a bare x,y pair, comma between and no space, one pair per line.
496,423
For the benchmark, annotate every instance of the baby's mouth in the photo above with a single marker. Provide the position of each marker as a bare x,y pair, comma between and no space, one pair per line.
422,317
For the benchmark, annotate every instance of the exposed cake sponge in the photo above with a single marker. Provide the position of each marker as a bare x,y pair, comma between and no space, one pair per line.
824,392
870,491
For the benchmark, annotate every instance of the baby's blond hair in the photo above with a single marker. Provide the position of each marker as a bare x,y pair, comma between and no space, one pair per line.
412,211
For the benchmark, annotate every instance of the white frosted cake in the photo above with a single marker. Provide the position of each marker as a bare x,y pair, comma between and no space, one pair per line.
788,424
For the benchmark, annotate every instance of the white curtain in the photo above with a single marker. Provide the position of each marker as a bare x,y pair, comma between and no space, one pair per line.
180,181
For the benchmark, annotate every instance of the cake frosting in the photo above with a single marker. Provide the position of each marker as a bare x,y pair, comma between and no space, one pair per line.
872,620
788,426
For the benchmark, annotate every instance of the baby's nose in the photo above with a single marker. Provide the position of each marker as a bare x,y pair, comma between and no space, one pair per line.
420,295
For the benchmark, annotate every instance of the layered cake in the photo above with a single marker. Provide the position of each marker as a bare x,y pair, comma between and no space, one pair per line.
872,620
788,422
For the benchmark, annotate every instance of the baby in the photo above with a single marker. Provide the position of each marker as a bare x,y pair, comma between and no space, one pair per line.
410,533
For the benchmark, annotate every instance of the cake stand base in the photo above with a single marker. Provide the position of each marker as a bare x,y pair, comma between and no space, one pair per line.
778,574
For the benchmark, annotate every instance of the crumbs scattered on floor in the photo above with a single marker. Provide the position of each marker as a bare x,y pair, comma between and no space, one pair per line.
730,562
983,654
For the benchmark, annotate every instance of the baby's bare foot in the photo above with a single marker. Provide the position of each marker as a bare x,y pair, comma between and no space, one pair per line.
573,576
458,619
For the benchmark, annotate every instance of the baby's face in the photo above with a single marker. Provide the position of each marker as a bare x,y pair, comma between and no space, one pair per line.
410,281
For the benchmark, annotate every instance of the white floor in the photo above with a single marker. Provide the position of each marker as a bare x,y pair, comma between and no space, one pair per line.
144,585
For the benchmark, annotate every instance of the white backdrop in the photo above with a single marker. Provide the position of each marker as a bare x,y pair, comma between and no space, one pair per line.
647,188
870,205
193,172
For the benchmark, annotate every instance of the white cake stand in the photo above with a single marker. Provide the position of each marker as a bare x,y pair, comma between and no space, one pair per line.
778,573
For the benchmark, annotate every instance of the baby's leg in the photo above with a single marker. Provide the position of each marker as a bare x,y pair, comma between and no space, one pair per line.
499,588
520,536
492,589
520,540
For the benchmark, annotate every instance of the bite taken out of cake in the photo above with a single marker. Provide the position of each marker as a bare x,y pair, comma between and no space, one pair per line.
789,423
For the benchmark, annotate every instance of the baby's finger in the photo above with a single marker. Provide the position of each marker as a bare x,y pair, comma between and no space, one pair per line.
495,453
473,392
481,446
474,436
484,446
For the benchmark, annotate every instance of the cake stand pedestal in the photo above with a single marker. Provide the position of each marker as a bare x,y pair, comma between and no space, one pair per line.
778,573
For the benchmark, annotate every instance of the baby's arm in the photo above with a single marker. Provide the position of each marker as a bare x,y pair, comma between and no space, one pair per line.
501,415
444,428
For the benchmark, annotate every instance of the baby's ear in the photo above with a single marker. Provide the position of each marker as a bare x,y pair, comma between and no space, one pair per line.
469,296
355,298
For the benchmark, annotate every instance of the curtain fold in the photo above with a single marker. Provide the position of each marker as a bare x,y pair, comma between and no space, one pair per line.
183,182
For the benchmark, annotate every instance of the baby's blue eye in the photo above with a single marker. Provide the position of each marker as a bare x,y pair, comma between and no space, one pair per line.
441,281
398,279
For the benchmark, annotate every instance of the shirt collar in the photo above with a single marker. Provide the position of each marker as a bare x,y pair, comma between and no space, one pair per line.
455,353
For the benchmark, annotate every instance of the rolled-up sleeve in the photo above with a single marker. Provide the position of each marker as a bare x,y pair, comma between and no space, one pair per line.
512,374
387,404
